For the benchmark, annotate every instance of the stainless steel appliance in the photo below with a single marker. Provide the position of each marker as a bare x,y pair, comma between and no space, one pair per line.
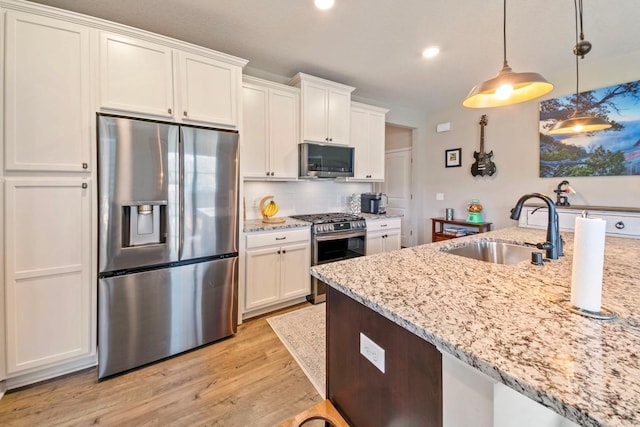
168,240
325,160
375,203
334,237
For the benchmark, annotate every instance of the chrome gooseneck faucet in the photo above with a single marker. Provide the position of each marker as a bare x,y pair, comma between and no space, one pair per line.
553,245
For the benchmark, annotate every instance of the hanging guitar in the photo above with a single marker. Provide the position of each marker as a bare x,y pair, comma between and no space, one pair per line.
483,165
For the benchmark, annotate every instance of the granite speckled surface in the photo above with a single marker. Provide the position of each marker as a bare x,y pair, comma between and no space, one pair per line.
380,216
505,320
251,225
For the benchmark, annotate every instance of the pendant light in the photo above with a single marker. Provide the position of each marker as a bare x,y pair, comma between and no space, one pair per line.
507,87
577,123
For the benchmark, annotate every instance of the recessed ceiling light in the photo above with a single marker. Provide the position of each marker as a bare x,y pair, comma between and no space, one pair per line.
431,52
323,4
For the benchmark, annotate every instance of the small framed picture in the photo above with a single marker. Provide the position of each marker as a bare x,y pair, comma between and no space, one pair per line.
453,158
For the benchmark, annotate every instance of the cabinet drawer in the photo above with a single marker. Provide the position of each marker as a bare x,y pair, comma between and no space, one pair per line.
271,238
383,224
618,224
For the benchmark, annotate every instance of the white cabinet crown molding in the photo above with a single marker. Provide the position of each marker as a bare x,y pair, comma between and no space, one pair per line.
298,78
103,24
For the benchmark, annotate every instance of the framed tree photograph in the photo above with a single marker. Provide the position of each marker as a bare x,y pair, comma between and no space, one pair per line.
611,152
453,158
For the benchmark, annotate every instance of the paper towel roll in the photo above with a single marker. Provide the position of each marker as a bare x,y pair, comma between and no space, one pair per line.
588,263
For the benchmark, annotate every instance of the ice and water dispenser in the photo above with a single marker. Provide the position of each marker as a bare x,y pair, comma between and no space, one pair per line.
143,223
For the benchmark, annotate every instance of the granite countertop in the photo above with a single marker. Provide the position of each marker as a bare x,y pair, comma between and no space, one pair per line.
380,216
505,320
251,225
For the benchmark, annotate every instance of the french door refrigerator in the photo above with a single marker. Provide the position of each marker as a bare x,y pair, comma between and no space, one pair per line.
168,240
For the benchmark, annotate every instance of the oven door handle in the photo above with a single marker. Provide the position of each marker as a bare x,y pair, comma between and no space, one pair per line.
339,236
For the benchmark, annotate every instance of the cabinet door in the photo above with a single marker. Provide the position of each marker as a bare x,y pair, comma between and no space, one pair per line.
295,278
339,117
255,162
135,76
376,145
359,134
392,241
49,288
374,243
208,90
283,133
262,278
47,111
315,100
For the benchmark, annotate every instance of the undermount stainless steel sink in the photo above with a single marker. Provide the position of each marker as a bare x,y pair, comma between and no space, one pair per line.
495,252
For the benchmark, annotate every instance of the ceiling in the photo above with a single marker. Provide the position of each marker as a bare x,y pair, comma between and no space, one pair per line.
376,45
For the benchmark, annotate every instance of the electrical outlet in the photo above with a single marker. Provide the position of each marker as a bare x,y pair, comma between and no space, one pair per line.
439,196
372,352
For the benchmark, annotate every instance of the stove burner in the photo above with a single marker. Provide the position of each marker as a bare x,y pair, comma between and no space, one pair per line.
325,218
334,222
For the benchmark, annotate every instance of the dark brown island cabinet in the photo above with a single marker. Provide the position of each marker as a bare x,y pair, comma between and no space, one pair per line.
409,391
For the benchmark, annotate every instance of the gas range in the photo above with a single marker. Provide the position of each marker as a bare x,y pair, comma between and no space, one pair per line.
333,222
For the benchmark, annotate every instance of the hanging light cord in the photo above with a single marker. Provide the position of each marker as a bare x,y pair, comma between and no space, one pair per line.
504,35
575,3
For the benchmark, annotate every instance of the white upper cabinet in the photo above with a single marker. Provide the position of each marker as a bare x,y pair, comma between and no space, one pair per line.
367,136
138,76
209,90
47,94
270,130
325,112
135,76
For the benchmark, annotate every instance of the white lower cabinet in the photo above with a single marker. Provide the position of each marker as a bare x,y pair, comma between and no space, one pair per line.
50,294
277,267
383,235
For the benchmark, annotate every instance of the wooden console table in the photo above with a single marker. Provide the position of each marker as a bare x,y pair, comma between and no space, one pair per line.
438,225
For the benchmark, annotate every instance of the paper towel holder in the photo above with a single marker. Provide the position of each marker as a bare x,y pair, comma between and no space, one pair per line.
604,313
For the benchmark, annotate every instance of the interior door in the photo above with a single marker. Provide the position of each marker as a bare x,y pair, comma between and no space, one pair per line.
397,186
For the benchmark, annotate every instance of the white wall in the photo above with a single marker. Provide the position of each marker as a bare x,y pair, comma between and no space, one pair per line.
512,134
301,197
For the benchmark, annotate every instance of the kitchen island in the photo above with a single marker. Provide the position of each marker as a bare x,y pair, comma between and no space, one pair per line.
505,320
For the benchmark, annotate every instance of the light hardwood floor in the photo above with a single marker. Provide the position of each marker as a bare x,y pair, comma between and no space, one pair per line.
247,380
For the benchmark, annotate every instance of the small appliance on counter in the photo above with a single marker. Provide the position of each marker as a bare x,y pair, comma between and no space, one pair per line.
375,203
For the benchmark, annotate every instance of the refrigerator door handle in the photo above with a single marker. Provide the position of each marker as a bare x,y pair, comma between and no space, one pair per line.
181,193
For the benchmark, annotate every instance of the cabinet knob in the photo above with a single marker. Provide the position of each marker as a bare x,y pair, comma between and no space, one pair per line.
330,139
272,174
169,110
279,252
85,166
185,113
619,225
84,185
284,251
326,139
267,173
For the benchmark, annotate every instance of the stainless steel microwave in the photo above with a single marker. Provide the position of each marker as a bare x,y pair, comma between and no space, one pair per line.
325,160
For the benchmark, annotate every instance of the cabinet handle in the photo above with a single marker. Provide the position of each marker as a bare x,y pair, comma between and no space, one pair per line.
185,113
169,110
85,166
84,185
281,238
383,225
619,225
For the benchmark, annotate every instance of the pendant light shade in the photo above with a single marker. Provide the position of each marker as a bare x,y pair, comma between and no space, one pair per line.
507,87
577,123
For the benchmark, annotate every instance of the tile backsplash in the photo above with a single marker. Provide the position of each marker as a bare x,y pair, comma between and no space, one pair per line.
301,197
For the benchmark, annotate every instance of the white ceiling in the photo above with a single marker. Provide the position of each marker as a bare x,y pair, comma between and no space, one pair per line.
376,45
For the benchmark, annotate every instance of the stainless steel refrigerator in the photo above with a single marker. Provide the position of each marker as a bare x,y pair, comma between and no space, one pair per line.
168,240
